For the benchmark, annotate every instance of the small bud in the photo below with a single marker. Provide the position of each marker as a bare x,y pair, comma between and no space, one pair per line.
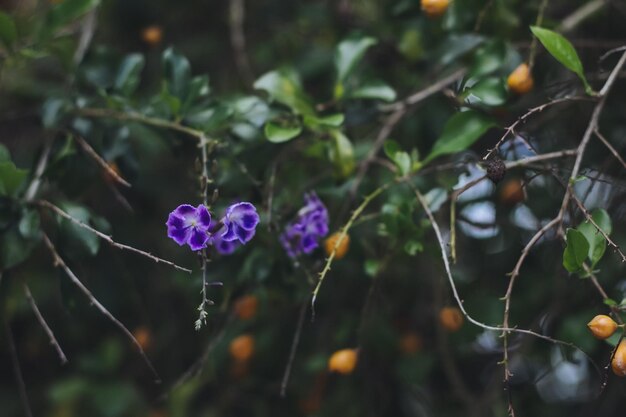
496,169
618,363
602,326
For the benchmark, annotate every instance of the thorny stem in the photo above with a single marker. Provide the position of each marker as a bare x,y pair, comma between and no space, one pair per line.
511,129
99,160
610,147
44,325
344,232
107,238
58,261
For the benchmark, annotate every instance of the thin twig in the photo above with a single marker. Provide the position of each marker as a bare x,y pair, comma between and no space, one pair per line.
533,44
107,238
58,261
511,129
19,379
103,164
610,147
580,15
138,117
44,325
343,234
34,185
292,351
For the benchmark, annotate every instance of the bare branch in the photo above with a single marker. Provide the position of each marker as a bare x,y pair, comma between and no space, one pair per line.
49,205
42,322
237,11
103,164
294,347
610,147
58,261
511,129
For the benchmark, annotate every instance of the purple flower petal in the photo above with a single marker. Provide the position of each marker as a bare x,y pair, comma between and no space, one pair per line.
179,235
244,214
198,239
175,221
308,243
203,216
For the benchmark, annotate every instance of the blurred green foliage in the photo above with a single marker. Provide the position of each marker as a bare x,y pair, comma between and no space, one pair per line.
292,97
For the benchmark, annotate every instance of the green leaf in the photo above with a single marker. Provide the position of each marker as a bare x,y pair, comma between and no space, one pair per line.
28,225
576,250
277,134
67,11
563,51
459,133
341,154
332,120
349,53
14,248
488,59
11,178
53,111
489,91
597,242
610,302
127,78
177,73
198,87
376,90
284,86
4,154
412,247
78,239
400,158
8,31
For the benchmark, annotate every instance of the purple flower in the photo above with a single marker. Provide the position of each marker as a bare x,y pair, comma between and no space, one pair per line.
222,246
304,233
240,222
189,225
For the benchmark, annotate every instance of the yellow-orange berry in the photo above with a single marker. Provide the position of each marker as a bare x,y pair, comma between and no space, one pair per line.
520,81
152,35
143,337
343,361
242,348
618,363
246,307
602,326
435,8
410,343
451,318
512,192
342,249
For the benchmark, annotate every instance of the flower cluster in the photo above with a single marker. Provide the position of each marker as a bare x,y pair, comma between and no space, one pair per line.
194,226
311,224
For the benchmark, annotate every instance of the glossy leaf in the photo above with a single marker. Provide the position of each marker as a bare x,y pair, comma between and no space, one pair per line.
128,75
459,133
596,241
401,158
277,134
576,250
376,90
349,53
284,86
11,178
341,154
177,73
562,50
489,91
332,120
67,11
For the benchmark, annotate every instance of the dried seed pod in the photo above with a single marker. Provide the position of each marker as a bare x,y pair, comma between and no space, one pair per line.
496,169
602,326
